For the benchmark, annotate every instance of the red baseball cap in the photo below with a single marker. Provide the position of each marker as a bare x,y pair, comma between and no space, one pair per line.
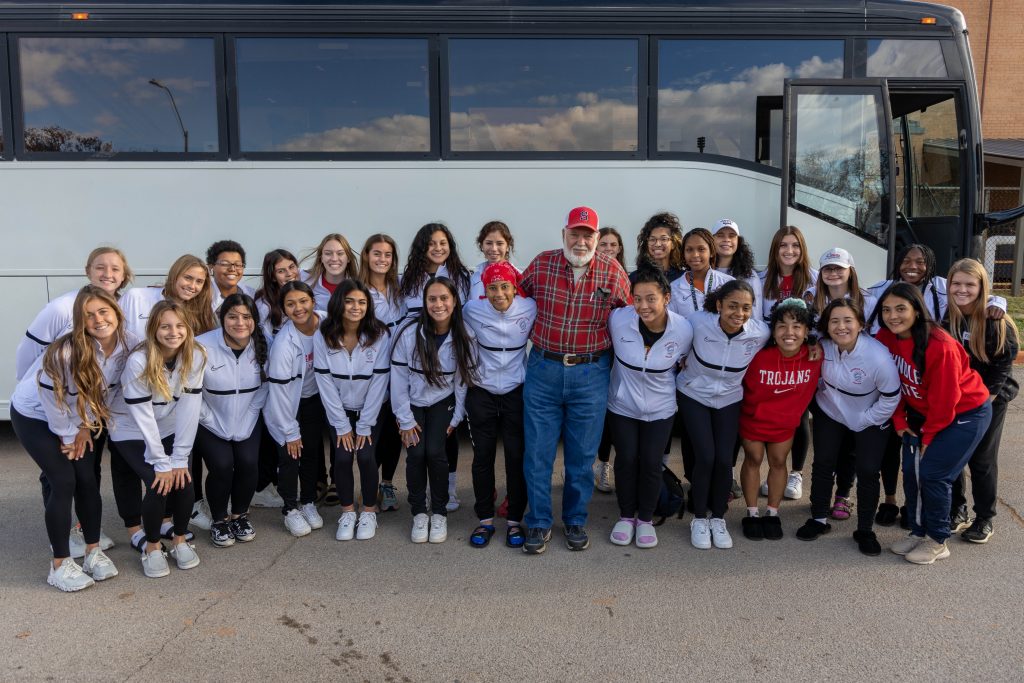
582,217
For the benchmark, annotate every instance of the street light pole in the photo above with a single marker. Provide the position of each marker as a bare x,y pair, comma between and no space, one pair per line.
184,131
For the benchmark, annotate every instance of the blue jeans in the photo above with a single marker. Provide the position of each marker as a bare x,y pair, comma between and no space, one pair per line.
932,476
566,402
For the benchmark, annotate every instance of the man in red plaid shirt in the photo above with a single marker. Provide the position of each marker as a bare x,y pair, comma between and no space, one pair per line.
566,390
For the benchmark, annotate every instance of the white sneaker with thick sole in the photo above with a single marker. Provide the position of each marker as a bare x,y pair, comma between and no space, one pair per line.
106,542
201,517
420,528
346,526
720,533
154,563
794,486
700,533
68,577
296,524
267,498
367,528
184,554
76,542
438,528
98,565
312,516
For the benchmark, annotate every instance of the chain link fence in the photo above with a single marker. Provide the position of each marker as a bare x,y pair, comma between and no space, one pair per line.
999,245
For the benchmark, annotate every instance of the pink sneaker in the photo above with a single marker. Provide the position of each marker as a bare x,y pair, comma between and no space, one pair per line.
841,508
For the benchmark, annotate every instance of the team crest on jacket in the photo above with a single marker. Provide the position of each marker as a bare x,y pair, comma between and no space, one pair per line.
370,353
671,349
857,375
524,324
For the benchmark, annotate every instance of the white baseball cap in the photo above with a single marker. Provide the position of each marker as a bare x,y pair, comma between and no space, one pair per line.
726,223
837,256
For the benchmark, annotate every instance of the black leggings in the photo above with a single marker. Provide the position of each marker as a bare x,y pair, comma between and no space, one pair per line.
389,448
984,468
70,481
98,442
638,467
197,476
491,416
428,458
801,441
891,462
451,450
604,450
154,505
233,470
366,457
712,433
267,469
291,471
832,440
127,487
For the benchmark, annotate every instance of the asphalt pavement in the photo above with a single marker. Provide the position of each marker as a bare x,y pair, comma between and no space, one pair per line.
312,608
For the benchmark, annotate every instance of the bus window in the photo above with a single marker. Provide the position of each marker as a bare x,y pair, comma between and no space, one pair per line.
713,94
543,95
906,58
333,94
927,142
105,96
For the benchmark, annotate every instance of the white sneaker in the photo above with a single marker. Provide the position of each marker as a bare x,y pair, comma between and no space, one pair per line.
603,477
453,502
346,526
106,542
68,577
764,488
154,564
420,526
184,554
267,498
98,565
367,528
700,533
296,524
438,528
720,534
794,486
201,517
313,518
76,542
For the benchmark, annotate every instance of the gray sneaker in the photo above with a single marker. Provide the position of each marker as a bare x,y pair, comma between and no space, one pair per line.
68,577
98,565
185,555
154,564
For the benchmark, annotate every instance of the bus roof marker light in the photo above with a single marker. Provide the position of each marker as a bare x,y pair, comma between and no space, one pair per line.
928,20
79,16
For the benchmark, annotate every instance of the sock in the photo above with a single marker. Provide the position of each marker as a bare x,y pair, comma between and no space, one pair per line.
773,512
513,523
487,522
753,512
165,527
451,483
138,537
822,520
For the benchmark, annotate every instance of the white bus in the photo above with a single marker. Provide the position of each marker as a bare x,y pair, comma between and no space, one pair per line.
162,127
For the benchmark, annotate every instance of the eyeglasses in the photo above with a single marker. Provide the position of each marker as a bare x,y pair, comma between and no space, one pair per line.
659,240
228,265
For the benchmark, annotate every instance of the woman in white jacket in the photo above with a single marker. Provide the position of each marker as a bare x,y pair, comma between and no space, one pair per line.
228,439
351,361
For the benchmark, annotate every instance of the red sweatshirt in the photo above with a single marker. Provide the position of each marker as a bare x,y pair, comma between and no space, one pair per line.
776,392
949,386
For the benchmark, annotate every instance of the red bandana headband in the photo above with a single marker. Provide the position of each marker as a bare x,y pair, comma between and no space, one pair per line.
502,271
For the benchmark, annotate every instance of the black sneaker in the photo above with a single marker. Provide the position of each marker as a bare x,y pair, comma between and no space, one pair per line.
980,531
959,520
811,529
867,542
904,518
771,527
241,529
887,514
536,540
576,537
752,528
220,534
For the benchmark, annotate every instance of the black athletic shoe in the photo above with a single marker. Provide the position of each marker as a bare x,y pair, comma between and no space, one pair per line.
867,542
220,534
887,514
811,529
771,527
904,519
752,528
980,531
536,540
242,529
576,537
959,520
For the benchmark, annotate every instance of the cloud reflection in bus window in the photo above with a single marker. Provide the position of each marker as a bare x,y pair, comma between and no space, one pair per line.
906,58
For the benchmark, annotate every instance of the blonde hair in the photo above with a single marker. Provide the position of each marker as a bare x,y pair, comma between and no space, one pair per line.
976,320
316,271
129,276
197,311
76,352
153,374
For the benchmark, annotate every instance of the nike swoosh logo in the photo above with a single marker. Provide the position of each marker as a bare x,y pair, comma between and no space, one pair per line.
143,316
782,391
963,422
216,367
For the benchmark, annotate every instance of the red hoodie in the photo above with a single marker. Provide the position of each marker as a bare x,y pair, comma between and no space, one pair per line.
776,392
949,386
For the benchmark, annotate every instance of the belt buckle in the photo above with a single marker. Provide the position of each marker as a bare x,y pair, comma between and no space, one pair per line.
566,362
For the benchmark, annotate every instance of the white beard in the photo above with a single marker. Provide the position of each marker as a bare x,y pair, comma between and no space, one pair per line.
578,261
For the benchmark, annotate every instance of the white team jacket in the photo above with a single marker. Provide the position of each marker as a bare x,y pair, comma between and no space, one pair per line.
643,382
356,381
414,304
286,372
935,299
869,300
409,387
151,418
389,311
218,298
715,367
755,284
136,304
500,342
859,389
686,299
233,393
54,320
767,304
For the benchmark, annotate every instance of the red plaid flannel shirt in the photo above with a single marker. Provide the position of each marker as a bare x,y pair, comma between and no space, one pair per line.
572,317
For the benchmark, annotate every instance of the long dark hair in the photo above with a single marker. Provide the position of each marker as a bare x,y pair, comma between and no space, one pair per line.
258,340
801,272
416,274
923,325
333,326
730,287
670,222
270,292
390,277
426,350
742,263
